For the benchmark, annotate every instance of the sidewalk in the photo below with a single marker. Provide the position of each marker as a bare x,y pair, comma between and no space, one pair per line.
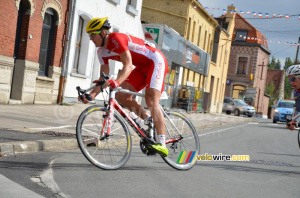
33,128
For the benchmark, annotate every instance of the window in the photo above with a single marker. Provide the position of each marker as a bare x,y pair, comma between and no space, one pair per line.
193,33
204,43
189,28
131,7
47,41
78,44
239,92
199,36
241,35
242,65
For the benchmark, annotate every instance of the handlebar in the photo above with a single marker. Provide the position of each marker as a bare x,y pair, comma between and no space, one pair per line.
82,92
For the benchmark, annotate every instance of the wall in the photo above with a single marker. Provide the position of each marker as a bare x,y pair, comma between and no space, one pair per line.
89,68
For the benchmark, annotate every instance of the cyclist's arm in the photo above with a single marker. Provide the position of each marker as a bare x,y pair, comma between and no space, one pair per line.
126,59
104,68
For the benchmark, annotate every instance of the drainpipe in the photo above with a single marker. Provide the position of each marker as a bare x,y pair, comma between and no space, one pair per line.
64,70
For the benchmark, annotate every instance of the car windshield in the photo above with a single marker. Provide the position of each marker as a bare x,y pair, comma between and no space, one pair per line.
286,104
240,102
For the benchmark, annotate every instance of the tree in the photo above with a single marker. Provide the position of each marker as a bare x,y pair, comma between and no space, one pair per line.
270,90
287,88
278,65
272,62
288,62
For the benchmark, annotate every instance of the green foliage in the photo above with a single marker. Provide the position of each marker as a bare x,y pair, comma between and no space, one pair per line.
272,63
278,65
287,88
288,62
287,84
274,94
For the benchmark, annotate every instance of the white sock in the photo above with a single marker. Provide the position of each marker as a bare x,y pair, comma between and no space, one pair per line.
161,139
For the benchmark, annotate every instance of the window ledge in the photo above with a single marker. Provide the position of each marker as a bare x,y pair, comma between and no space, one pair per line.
131,10
78,75
241,74
45,78
116,2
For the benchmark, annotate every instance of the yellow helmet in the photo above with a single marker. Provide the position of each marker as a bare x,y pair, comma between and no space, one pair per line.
97,24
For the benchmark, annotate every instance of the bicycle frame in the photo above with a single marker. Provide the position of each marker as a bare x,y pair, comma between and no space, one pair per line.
114,105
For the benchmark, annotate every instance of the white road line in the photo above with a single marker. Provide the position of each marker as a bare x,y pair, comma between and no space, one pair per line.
48,128
221,130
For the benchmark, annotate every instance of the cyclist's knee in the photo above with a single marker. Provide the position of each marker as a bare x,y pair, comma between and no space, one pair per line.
124,98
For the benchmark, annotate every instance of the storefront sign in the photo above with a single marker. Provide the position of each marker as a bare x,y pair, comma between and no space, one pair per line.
177,48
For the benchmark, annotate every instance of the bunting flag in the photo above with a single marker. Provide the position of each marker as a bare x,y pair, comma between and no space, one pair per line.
268,41
254,14
267,15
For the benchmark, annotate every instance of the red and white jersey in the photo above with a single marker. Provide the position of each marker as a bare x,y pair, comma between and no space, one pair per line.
119,43
150,63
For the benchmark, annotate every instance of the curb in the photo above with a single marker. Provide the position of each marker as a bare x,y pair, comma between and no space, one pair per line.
20,147
12,148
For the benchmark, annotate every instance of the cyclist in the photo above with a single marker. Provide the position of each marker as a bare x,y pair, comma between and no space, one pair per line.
293,73
150,70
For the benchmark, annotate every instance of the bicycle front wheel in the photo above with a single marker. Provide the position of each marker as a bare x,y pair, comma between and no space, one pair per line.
109,152
299,138
182,153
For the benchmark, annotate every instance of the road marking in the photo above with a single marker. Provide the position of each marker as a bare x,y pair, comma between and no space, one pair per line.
10,188
49,128
221,130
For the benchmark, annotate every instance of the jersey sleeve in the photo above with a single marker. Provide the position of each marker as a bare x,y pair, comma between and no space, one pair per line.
118,43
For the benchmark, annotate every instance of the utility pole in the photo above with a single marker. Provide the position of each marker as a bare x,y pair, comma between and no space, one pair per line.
297,51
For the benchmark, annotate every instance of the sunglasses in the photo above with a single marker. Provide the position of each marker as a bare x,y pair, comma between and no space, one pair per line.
91,35
293,78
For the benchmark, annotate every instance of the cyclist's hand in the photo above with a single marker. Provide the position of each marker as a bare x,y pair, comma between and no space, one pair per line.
84,100
291,125
112,83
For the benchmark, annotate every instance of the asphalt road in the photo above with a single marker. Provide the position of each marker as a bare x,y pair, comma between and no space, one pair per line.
273,169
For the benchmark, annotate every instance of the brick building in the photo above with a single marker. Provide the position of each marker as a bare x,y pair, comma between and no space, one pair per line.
31,40
248,68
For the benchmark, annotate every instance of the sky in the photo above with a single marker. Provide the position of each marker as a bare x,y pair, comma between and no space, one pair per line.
275,29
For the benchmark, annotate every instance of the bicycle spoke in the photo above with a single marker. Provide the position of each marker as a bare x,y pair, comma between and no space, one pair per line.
114,150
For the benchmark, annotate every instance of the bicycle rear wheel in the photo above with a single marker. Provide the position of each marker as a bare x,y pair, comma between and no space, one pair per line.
113,151
183,153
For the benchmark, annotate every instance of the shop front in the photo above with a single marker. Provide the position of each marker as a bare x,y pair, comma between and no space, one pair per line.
187,71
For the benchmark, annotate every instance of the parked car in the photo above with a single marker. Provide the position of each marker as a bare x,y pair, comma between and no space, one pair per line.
238,107
283,109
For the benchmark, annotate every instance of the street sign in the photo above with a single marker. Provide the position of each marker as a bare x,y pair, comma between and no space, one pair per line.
248,99
250,90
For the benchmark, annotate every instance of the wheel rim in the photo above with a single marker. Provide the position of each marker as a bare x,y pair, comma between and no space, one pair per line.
109,153
182,155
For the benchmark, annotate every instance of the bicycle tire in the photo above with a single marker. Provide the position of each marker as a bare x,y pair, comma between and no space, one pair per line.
179,158
112,152
299,139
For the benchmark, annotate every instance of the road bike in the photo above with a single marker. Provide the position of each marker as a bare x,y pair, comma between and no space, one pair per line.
105,140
